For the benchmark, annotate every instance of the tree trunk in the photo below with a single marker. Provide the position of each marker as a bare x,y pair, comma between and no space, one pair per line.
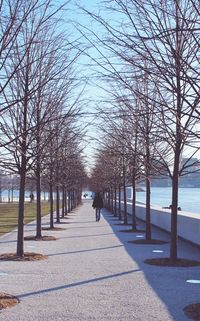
69,202
51,203
174,214
57,205
63,201
38,210
73,200
115,211
175,178
109,199
119,206
148,209
66,209
125,205
112,207
20,232
12,195
133,204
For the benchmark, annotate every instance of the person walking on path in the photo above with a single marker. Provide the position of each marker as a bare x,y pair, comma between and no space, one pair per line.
31,197
97,204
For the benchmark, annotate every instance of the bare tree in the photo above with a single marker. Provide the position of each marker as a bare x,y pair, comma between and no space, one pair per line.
13,16
165,34
17,122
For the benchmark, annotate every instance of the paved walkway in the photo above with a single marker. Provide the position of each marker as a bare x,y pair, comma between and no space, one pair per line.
92,273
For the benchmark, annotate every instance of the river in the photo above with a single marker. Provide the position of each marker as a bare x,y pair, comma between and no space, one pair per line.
5,195
189,198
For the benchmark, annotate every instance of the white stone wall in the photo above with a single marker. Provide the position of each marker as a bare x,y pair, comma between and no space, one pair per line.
188,223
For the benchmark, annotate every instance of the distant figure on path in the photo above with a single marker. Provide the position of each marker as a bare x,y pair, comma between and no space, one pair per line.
31,197
98,204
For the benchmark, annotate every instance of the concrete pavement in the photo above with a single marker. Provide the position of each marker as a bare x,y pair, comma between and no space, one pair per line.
93,273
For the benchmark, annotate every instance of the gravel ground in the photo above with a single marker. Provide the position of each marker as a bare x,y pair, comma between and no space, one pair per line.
92,273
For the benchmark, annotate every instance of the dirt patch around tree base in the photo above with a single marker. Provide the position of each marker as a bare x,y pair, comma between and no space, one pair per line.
7,300
175,263
53,228
148,242
192,311
28,256
132,231
42,238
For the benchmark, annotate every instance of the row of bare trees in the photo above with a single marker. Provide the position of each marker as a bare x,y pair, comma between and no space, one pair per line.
40,102
148,56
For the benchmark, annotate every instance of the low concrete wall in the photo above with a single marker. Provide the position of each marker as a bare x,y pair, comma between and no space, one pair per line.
188,223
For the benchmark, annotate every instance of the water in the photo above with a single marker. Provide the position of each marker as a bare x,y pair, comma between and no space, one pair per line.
5,195
189,198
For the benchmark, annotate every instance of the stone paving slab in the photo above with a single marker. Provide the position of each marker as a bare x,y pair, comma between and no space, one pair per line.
93,273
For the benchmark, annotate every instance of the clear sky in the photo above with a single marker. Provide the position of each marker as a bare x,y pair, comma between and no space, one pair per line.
91,94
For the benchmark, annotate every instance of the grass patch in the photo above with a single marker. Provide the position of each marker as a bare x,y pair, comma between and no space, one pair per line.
172,263
9,214
192,311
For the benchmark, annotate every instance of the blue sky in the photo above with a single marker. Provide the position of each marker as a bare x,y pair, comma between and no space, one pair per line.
92,93
83,68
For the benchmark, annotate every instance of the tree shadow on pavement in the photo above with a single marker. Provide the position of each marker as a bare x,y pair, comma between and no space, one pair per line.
95,226
71,285
83,251
82,222
169,283
11,241
83,236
